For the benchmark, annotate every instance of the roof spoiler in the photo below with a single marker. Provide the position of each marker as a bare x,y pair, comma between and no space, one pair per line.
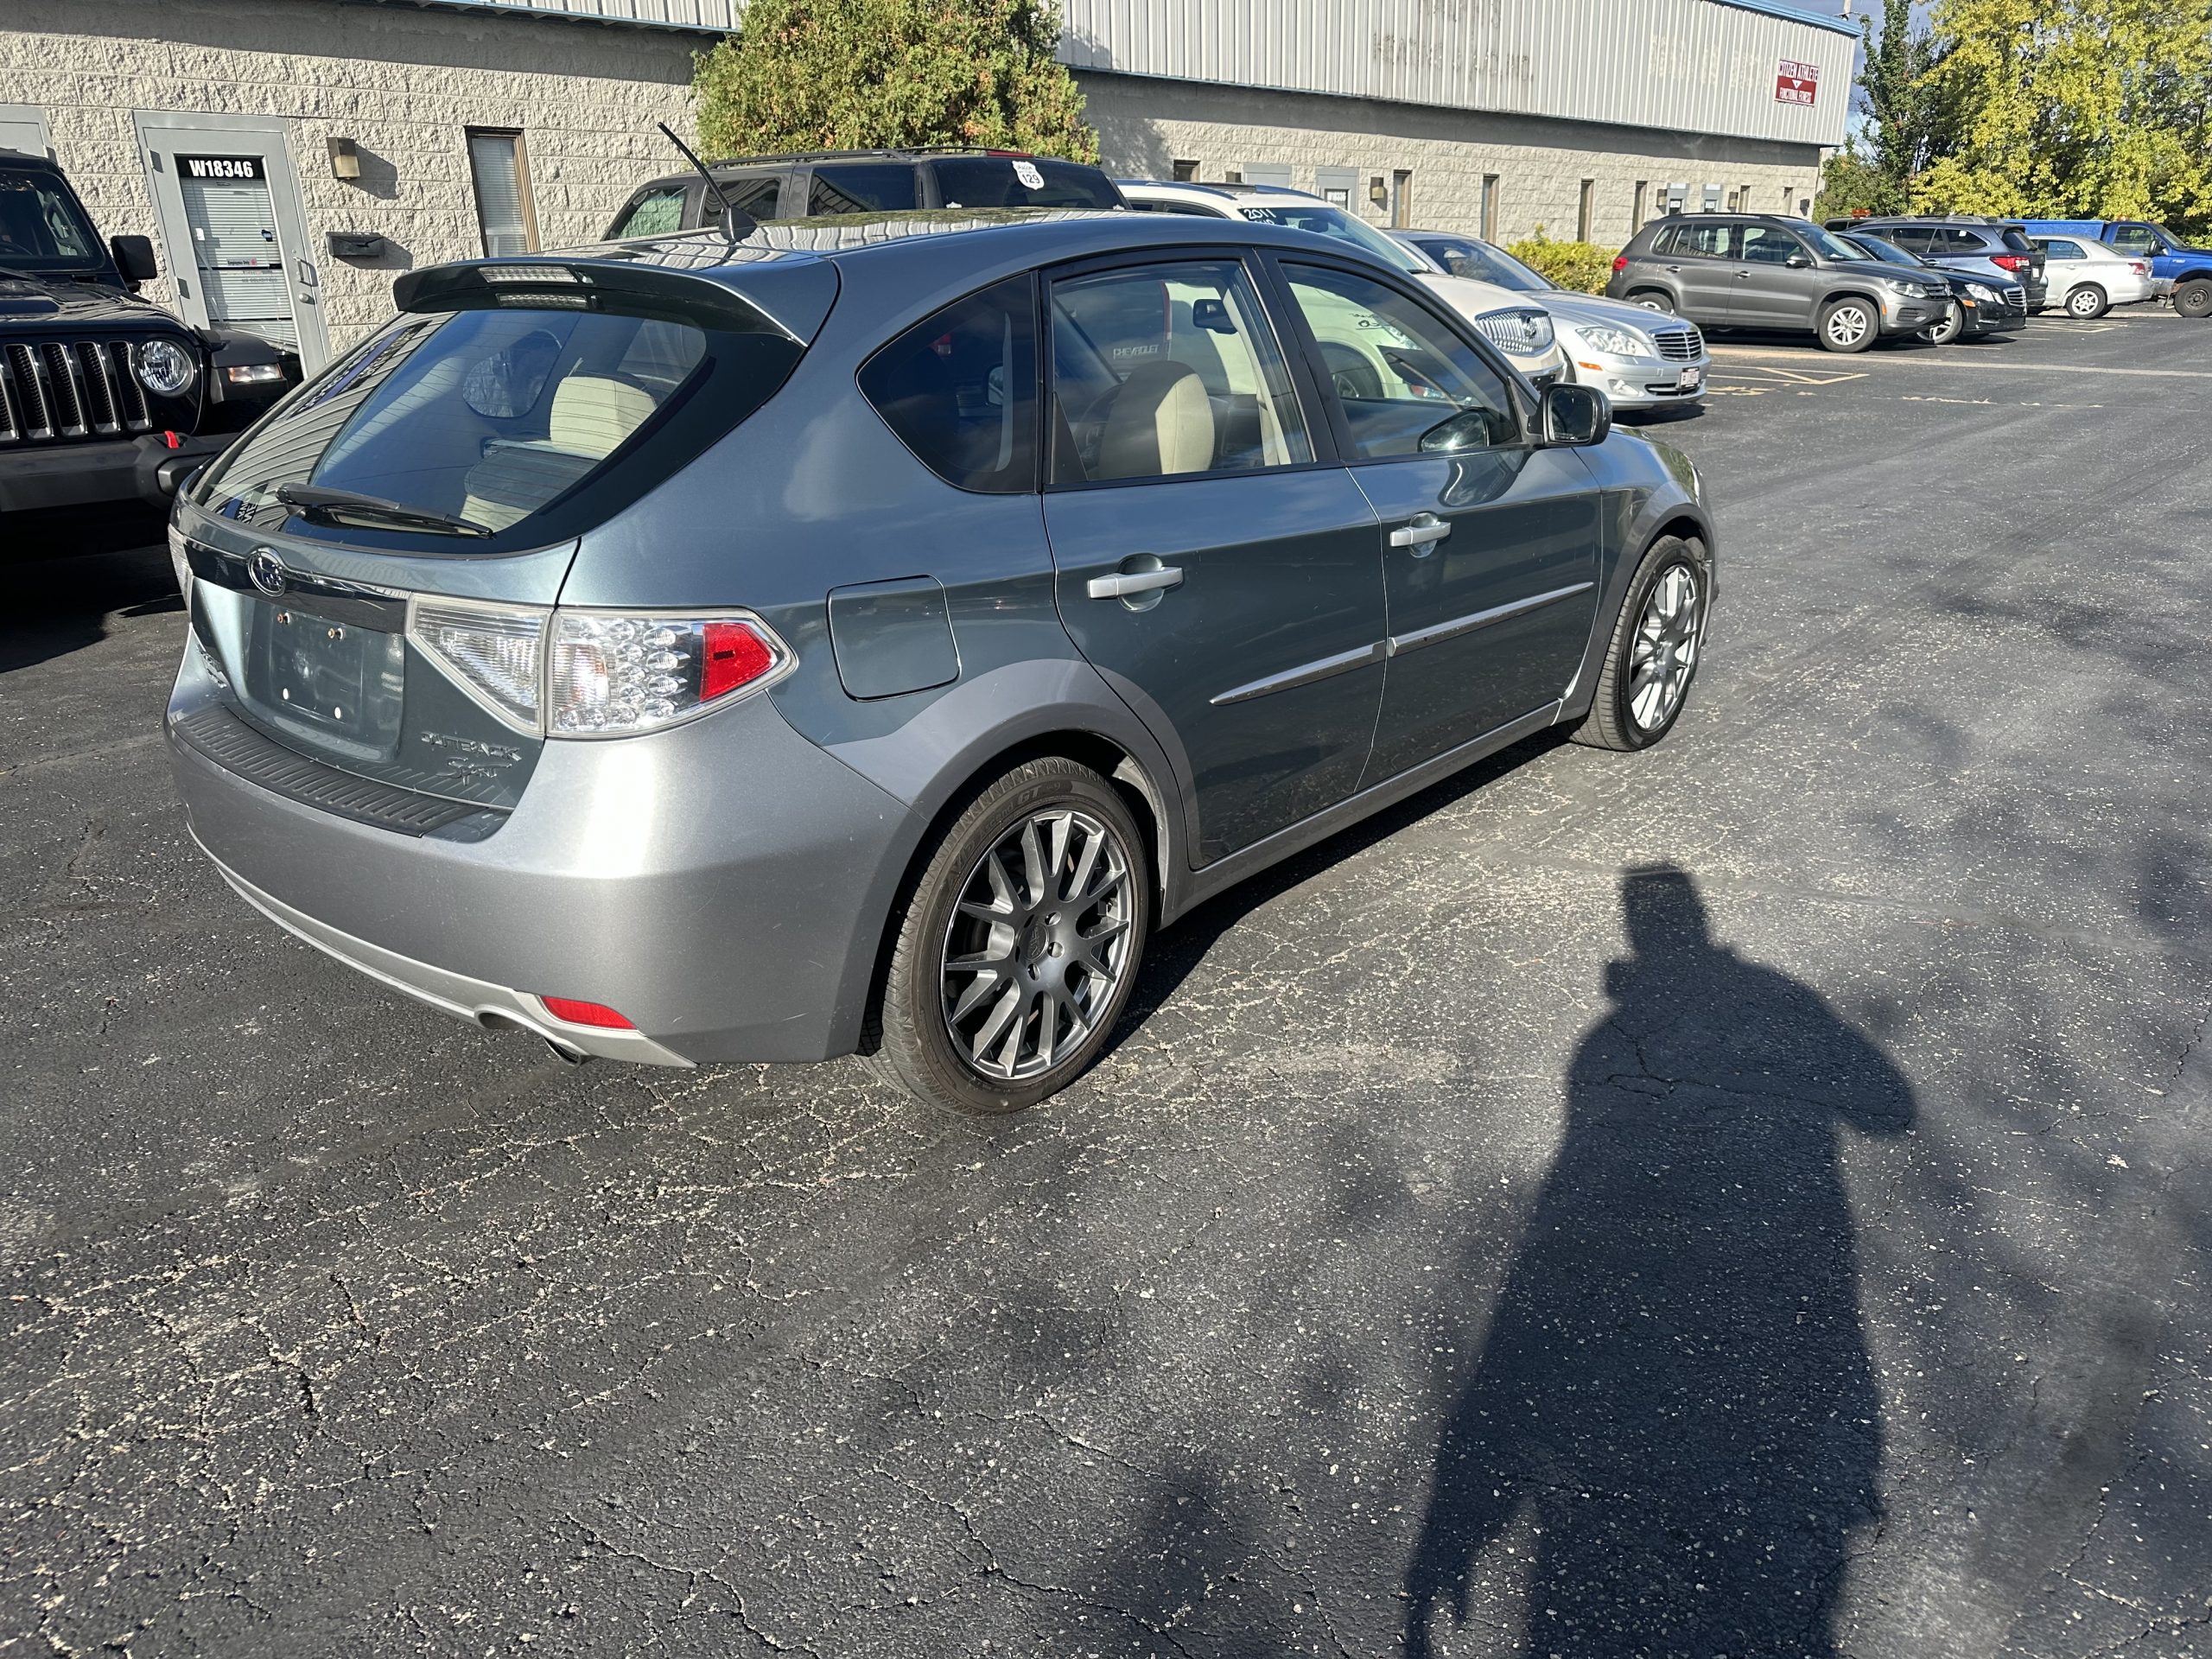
793,305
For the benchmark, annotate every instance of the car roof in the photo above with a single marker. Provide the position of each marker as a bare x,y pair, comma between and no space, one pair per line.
26,158
1225,190
782,158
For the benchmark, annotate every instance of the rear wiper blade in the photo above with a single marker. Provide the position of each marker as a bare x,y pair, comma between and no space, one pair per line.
317,501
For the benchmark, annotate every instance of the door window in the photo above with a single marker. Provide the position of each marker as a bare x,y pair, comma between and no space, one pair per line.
2135,238
656,212
504,212
1765,245
862,187
1168,369
1913,238
2059,249
960,390
753,195
1407,385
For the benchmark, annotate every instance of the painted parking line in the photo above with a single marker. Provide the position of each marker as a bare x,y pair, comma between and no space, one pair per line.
1951,359
1753,381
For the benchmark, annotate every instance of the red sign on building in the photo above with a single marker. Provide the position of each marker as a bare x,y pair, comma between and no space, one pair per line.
1796,83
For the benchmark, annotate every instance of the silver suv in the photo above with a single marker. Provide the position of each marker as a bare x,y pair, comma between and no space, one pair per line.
1743,270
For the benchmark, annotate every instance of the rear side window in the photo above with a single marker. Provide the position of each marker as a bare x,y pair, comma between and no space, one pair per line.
960,390
1913,238
1021,182
657,213
2057,250
1707,241
494,428
755,196
862,187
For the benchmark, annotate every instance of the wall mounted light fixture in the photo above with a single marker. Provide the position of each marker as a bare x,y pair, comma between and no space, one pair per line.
345,159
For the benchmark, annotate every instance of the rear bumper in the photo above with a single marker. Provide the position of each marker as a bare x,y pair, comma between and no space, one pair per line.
111,469
722,885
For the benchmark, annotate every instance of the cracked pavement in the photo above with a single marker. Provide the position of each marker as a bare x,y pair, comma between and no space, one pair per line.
1748,1198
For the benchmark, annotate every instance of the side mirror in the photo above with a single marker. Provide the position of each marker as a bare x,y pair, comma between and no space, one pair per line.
134,258
1575,417
1798,262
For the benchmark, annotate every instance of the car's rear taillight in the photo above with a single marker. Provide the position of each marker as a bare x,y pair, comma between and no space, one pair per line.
496,653
2138,267
1620,262
585,1014
2009,261
613,675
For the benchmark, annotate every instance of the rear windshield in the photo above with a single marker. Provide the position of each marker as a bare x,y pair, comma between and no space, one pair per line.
494,429
41,228
2017,242
1325,219
1021,182
1484,263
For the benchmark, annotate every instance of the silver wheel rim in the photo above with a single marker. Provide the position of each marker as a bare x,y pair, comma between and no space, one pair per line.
1664,653
2080,304
1847,324
1038,945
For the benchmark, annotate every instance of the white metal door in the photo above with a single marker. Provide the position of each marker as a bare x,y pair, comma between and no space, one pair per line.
227,204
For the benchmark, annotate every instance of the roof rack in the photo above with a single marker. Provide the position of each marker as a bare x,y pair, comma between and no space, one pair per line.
888,152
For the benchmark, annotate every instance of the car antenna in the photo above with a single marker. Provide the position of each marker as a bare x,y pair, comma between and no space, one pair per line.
731,217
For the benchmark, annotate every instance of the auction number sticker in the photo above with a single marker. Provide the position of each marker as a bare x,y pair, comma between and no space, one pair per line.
1031,176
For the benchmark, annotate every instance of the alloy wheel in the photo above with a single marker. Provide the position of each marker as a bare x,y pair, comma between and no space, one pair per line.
1847,325
1038,943
1664,654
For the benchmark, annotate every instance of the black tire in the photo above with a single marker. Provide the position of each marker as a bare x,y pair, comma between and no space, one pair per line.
1612,721
1835,331
2087,304
2194,299
919,1050
1943,332
1654,299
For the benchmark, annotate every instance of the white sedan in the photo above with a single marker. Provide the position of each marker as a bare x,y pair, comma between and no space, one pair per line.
1521,330
2088,278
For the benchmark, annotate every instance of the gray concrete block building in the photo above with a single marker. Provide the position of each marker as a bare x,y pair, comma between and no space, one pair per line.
290,156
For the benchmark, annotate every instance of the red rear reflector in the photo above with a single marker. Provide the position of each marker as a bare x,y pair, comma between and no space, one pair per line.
585,1014
734,656
1620,262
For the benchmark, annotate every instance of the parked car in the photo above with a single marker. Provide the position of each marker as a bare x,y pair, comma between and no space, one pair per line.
1979,305
1988,247
1523,332
1748,271
2087,277
2181,271
694,650
104,397
812,183
1642,361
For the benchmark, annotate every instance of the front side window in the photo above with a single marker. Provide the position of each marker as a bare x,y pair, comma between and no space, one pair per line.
41,228
1168,369
862,187
499,169
1407,385
657,213
1829,245
960,390
1765,245
451,428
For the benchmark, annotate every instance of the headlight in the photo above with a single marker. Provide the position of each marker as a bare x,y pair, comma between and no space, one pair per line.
1612,341
165,368
1982,292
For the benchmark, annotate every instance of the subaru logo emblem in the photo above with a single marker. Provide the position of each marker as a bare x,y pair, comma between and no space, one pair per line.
266,569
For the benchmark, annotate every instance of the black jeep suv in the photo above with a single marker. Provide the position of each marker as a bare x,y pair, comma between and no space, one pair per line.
104,397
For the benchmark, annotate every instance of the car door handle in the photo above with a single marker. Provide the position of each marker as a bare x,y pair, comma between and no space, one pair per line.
1422,534
1131,582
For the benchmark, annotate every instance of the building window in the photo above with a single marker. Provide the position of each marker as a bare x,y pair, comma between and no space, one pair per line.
1490,206
500,168
1582,224
1186,172
1636,213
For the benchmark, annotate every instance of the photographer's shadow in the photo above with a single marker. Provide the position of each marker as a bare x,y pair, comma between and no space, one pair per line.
1674,1388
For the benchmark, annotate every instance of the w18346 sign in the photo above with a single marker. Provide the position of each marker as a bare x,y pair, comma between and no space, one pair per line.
1796,83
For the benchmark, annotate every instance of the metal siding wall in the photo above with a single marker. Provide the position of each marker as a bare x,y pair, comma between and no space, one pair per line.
721,15
1692,66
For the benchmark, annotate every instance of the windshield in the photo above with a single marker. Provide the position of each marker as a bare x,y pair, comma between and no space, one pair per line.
464,424
1829,245
1464,257
42,227
1022,181
1872,247
1325,218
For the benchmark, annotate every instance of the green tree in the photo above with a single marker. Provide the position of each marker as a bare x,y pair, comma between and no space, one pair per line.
1853,182
839,74
1903,99
2098,109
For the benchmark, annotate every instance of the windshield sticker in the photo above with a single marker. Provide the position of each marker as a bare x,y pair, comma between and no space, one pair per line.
1030,173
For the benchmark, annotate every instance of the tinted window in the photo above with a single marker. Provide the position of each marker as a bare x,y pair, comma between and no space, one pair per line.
1408,385
657,213
1321,218
1005,181
960,390
1913,238
753,195
493,418
862,187
1462,256
1165,369
41,228
2015,241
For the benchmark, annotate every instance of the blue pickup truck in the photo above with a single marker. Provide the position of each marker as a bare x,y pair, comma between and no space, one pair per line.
2172,260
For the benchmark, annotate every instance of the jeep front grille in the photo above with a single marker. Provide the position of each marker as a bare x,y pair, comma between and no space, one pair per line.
59,391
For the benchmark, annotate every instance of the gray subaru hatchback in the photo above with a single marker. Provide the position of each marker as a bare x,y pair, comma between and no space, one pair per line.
862,634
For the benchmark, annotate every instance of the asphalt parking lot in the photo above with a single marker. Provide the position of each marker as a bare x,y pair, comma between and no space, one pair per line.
1749,1198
